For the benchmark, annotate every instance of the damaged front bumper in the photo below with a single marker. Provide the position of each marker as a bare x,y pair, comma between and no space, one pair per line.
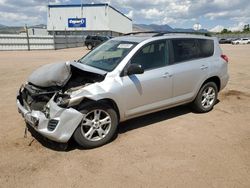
57,124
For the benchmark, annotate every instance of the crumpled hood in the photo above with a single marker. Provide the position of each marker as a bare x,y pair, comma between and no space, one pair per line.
56,74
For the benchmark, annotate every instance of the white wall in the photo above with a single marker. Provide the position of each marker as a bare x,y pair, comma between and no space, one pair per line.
98,18
20,42
39,42
37,31
95,18
118,22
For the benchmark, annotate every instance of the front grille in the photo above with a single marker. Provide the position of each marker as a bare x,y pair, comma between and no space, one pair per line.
52,124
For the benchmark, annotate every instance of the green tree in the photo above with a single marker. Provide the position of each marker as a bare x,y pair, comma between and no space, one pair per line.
225,31
246,28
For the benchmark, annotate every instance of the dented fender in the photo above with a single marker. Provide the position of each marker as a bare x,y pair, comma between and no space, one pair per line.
99,91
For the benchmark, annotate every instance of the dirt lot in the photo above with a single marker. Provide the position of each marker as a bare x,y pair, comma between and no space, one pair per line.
171,148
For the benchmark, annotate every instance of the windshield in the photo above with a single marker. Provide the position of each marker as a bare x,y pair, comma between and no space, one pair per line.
108,55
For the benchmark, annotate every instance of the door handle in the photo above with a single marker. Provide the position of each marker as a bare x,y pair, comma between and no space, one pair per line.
203,67
166,74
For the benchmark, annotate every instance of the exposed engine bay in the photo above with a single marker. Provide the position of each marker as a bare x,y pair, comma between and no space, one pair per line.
56,78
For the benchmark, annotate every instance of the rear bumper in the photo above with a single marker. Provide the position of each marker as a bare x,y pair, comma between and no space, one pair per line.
66,120
224,80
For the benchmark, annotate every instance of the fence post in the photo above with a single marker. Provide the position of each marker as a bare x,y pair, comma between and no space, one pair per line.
54,39
66,39
27,36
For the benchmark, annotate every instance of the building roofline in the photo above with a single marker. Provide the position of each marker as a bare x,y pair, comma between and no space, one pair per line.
89,5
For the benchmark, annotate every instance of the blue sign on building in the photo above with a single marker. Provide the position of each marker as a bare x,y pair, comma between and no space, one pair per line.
77,22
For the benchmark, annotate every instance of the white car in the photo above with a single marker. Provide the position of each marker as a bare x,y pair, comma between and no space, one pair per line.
123,78
241,41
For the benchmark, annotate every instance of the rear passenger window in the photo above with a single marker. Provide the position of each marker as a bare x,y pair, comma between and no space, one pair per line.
188,49
206,47
184,49
152,55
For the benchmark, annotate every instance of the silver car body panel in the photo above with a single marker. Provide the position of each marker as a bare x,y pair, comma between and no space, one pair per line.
140,94
68,120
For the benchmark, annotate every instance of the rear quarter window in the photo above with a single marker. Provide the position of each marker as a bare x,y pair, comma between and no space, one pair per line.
206,47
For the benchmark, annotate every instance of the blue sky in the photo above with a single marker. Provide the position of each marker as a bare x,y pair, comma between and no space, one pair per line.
211,14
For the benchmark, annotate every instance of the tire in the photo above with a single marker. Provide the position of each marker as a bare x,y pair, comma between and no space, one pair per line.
91,132
206,98
89,46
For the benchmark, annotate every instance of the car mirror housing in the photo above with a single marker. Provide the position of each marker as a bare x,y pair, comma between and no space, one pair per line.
135,69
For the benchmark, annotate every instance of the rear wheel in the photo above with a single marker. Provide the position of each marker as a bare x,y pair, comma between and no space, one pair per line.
98,126
206,98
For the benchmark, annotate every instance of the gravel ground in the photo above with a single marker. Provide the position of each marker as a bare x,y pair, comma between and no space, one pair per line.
170,148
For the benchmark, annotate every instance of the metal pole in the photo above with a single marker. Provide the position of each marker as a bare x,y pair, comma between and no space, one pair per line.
81,9
27,36
54,39
66,40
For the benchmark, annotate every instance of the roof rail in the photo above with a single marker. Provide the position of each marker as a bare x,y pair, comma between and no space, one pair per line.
181,32
161,33
141,32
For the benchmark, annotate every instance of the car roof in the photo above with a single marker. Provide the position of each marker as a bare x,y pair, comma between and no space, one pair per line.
142,37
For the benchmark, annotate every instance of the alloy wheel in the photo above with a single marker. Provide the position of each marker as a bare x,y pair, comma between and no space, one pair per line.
96,125
208,97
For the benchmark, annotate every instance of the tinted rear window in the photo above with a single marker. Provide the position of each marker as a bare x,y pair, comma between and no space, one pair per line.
189,49
206,47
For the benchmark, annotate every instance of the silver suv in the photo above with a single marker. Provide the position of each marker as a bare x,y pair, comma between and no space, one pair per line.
123,78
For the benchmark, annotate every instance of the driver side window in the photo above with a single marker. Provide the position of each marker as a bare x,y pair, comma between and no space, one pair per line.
152,55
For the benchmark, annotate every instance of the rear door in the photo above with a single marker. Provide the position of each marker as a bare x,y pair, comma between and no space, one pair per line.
190,66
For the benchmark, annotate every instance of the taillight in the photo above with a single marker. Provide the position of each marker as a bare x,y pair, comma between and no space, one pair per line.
224,57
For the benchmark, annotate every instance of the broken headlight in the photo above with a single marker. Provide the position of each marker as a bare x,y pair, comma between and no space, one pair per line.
62,100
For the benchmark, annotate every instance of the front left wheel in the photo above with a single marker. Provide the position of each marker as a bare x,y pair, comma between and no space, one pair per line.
98,126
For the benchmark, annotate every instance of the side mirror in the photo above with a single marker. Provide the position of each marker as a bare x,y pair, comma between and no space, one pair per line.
134,69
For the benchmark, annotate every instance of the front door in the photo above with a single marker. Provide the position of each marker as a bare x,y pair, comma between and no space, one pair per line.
151,90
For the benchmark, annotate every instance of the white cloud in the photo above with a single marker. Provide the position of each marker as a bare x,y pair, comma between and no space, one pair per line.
217,28
238,27
216,15
16,16
130,14
151,13
167,20
177,12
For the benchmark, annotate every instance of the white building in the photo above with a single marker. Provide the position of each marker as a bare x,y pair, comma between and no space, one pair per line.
37,31
100,19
